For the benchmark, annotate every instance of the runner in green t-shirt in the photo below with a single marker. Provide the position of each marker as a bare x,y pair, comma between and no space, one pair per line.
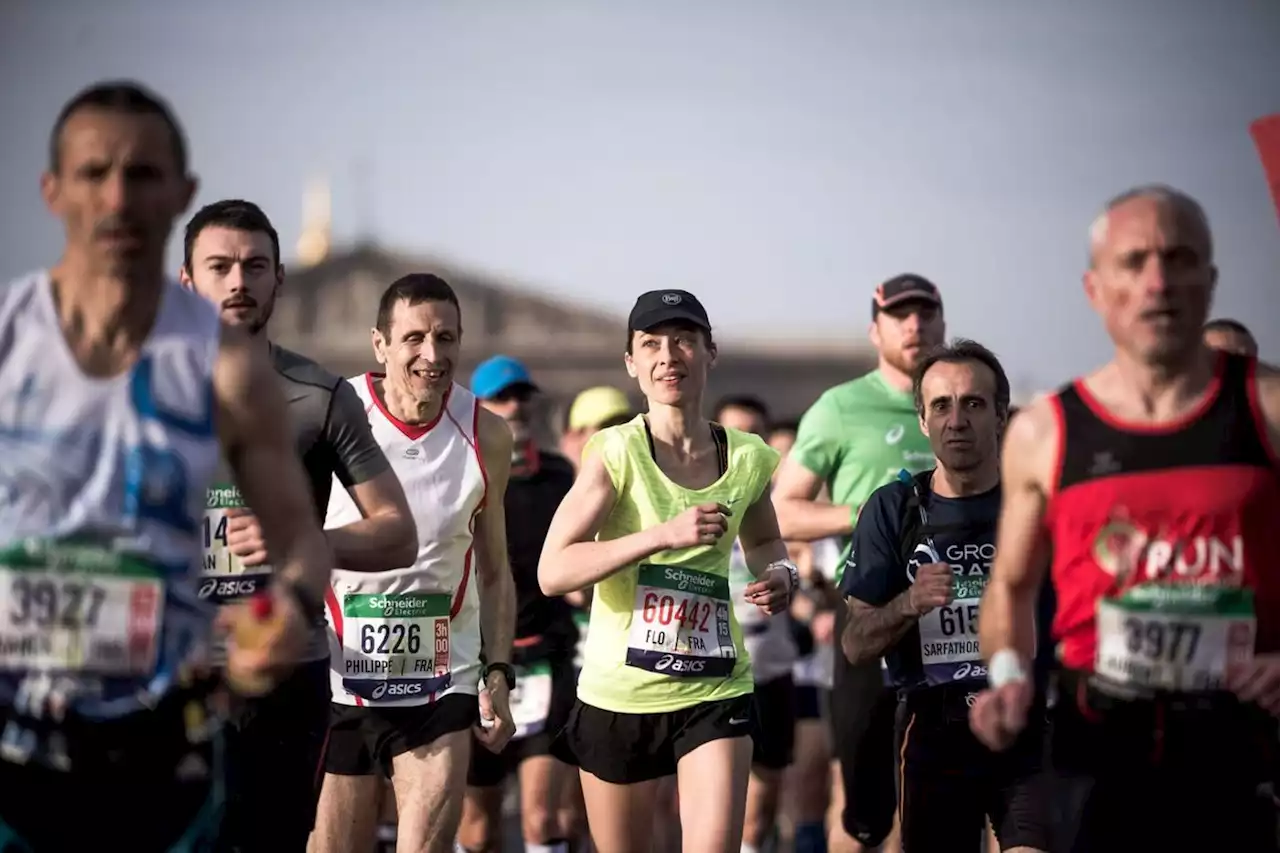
854,439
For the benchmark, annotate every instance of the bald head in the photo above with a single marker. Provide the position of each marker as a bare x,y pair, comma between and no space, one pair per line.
1185,215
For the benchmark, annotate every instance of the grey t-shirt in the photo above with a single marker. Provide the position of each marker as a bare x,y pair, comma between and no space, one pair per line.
332,436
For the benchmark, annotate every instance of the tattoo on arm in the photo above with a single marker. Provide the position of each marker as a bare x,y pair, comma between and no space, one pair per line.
871,631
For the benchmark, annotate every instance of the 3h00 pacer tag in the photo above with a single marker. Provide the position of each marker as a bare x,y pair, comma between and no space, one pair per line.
224,577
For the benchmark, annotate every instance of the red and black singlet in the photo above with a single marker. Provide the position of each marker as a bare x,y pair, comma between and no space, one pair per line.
1192,502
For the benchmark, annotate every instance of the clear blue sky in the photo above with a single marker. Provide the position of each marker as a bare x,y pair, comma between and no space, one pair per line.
778,158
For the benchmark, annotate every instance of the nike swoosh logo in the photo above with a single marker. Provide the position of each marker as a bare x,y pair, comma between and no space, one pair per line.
739,722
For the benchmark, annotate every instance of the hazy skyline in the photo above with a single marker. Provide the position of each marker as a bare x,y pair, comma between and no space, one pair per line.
777,158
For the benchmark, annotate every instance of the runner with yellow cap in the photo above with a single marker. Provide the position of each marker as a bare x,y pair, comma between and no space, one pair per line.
650,523
593,410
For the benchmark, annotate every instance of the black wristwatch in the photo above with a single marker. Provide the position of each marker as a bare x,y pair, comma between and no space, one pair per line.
508,673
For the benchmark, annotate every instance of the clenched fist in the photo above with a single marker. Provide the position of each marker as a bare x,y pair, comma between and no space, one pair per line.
934,587
697,525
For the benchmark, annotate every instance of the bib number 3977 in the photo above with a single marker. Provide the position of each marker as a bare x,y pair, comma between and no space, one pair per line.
78,610
1174,638
680,623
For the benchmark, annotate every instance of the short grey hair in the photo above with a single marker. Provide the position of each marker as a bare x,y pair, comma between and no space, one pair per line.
1162,194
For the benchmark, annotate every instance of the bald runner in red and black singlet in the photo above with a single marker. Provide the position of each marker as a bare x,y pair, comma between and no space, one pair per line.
1151,490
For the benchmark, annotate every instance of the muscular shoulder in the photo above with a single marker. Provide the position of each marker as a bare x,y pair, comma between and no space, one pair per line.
1032,439
495,437
302,373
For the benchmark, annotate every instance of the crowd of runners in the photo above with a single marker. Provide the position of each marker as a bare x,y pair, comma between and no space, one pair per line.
249,605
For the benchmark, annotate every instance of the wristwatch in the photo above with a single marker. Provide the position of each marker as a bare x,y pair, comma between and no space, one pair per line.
508,673
793,575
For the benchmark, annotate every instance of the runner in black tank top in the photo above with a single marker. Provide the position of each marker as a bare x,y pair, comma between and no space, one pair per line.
1153,483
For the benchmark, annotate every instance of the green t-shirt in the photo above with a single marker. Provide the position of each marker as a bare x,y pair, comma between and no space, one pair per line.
857,437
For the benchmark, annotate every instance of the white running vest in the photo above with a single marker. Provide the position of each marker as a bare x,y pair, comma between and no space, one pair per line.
119,465
410,636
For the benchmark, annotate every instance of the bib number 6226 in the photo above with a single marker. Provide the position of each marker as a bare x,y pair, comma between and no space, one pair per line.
390,639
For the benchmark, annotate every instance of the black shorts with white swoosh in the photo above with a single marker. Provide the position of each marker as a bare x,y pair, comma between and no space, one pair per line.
629,748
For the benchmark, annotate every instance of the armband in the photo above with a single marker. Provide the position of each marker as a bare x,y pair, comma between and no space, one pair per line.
1005,667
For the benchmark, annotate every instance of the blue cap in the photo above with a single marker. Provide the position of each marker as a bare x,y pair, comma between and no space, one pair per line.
493,376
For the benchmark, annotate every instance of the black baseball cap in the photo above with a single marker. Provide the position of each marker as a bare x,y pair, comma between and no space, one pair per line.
667,306
904,288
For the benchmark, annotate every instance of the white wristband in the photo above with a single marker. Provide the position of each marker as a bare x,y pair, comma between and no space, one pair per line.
1004,668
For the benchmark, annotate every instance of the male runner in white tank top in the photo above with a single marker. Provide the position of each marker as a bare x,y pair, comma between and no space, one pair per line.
116,387
411,647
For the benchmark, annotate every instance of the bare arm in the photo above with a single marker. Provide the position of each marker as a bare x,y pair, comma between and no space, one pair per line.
571,558
800,515
493,566
385,538
1007,615
761,542
253,425
871,631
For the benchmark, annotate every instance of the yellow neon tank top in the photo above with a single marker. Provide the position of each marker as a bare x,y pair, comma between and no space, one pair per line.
662,634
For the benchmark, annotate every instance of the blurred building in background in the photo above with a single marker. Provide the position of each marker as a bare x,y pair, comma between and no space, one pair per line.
330,298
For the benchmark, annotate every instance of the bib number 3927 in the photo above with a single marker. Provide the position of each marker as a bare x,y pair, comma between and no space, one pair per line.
680,623
1174,638
78,610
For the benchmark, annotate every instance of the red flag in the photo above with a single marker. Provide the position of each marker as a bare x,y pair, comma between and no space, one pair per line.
1266,135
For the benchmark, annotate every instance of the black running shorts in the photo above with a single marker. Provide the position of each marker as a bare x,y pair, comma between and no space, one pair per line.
275,754
364,740
629,748
862,725
775,734
489,769
949,783
1168,775
139,784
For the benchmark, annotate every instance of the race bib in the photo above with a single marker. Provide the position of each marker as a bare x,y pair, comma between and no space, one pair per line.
225,577
949,635
531,699
1176,638
395,646
680,623
78,609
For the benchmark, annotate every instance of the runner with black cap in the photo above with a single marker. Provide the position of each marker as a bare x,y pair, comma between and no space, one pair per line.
542,652
650,522
854,439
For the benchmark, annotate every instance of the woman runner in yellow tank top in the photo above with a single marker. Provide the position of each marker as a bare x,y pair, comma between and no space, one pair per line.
650,522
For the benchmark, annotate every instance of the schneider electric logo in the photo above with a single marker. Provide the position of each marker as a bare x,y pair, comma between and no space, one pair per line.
223,496
391,605
690,580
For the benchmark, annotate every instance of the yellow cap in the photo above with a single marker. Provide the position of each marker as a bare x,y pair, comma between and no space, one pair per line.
595,406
